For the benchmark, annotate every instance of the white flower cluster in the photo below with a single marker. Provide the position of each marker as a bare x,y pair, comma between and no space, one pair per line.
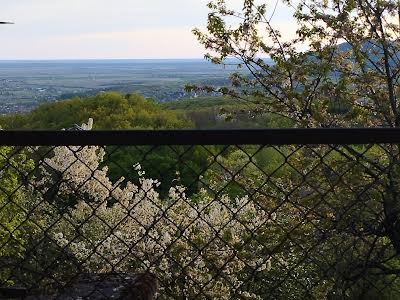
195,246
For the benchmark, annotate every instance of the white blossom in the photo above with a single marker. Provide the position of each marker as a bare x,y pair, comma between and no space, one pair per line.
141,230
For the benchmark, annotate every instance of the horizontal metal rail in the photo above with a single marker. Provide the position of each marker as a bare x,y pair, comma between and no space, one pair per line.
13,293
201,137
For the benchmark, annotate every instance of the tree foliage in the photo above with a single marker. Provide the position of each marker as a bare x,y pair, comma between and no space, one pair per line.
15,229
122,226
341,69
348,74
110,111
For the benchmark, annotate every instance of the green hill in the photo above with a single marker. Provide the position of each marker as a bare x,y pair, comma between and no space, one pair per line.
113,110
225,113
109,111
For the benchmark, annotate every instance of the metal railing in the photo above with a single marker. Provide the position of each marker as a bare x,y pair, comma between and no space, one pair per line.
246,214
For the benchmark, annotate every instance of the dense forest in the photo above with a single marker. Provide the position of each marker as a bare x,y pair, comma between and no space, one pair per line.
110,110
113,110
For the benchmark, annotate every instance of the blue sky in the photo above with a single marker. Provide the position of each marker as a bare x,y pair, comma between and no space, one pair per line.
81,29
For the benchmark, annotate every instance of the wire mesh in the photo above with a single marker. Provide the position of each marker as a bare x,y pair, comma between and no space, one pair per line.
315,221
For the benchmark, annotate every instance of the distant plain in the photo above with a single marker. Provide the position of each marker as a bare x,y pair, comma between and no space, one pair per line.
26,84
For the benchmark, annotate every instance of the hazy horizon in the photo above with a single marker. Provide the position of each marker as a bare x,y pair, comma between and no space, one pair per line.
105,59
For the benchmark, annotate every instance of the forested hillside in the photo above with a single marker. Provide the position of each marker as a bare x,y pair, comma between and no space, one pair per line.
109,110
113,110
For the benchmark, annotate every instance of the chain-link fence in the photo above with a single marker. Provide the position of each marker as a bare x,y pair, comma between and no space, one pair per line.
270,214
